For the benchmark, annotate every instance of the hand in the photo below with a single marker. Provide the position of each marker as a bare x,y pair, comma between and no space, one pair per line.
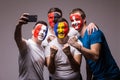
23,19
74,42
66,49
91,27
50,38
53,50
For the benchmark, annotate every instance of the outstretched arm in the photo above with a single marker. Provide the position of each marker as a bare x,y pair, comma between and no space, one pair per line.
18,32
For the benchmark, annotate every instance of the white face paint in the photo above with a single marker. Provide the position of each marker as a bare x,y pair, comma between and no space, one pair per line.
75,23
42,32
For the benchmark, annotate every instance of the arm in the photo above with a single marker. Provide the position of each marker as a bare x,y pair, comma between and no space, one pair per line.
89,73
92,53
51,59
75,60
18,35
91,27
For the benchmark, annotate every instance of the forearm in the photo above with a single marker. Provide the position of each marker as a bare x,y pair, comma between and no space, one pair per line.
89,73
17,33
74,64
51,66
89,54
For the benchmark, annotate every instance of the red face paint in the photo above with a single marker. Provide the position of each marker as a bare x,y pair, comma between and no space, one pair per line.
61,29
36,31
52,18
76,21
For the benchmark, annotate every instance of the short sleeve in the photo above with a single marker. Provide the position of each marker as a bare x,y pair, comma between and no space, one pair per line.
96,37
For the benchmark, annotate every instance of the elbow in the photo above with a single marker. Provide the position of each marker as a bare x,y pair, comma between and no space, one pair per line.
51,71
96,57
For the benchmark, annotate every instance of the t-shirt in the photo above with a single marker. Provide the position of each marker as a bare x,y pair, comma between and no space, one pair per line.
32,61
63,68
105,67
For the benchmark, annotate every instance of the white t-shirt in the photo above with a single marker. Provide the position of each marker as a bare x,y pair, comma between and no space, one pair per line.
32,62
63,67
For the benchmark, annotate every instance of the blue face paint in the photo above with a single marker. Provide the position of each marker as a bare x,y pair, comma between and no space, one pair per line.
56,17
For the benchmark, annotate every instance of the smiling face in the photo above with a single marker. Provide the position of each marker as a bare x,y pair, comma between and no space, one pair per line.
61,29
76,21
40,32
52,18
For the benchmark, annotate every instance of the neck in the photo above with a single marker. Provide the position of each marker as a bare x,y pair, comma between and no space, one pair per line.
82,31
63,41
51,31
36,41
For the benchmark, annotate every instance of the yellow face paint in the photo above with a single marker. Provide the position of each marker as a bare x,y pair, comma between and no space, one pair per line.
62,29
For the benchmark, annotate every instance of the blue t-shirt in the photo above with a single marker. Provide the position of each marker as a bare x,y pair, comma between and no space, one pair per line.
105,67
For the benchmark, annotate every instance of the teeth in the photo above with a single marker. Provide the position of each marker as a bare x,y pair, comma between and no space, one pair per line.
76,24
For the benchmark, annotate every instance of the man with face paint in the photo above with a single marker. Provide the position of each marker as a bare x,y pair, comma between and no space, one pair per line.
31,58
54,14
100,61
63,60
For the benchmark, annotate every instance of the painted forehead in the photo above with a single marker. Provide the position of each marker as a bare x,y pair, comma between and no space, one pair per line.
38,28
54,14
75,16
62,24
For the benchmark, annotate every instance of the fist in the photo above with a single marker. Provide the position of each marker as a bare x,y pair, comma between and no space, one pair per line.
66,49
23,19
53,50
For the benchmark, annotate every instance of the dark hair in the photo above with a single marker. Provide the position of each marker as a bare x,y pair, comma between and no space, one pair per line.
62,20
83,15
55,9
40,22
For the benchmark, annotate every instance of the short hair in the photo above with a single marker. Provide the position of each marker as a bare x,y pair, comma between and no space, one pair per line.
55,9
40,22
83,15
62,20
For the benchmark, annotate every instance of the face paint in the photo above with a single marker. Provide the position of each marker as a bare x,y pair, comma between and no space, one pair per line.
52,18
76,21
61,29
40,32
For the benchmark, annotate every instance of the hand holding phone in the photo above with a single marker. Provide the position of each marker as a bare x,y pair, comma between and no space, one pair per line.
32,18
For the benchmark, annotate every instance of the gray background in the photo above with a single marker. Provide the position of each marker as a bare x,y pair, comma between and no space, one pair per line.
105,13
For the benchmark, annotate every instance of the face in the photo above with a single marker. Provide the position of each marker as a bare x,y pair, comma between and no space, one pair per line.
52,18
61,29
76,21
40,32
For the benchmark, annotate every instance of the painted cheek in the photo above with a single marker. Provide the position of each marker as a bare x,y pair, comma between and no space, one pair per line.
66,29
76,21
37,29
51,19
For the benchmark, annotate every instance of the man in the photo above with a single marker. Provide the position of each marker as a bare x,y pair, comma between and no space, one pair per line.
63,60
54,14
100,61
31,57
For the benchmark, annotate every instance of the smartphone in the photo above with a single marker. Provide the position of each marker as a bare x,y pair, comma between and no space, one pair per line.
32,18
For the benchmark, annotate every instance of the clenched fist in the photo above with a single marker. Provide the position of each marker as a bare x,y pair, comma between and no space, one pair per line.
53,50
66,49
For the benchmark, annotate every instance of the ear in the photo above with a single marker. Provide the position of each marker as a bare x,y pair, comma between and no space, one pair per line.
84,21
33,31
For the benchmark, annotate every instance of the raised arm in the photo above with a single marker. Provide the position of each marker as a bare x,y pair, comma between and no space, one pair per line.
75,60
51,59
18,32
